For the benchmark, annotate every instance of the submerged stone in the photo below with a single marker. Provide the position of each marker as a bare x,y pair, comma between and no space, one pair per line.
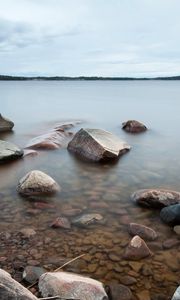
144,232
87,219
171,214
97,145
31,274
137,249
5,124
134,126
9,151
61,222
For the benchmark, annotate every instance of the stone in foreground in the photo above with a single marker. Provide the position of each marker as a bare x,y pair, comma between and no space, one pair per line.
156,198
71,286
97,145
144,232
171,214
134,126
9,151
176,295
37,183
10,289
5,124
137,249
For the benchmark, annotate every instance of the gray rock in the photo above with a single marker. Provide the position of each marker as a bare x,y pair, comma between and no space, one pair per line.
171,214
97,145
144,232
176,295
37,183
87,219
5,124
31,274
137,249
61,222
10,289
133,126
71,286
9,151
156,198
120,292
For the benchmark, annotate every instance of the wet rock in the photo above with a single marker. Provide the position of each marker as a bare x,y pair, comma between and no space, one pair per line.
97,145
176,295
156,198
136,266
114,257
28,232
144,232
31,274
143,295
134,126
37,183
177,229
170,243
120,292
5,124
43,205
137,249
12,290
9,151
71,286
28,152
171,214
87,219
128,280
61,222
71,212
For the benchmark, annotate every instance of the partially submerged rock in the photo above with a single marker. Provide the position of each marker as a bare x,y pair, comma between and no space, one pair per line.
5,124
71,286
10,289
171,214
31,274
156,198
37,183
61,222
137,249
144,232
87,219
9,151
134,126
97,145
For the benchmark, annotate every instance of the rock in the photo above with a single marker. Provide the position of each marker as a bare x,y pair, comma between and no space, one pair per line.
171,214
176,295
128,280
156,198
9,151
29,152
28,232
113,257
43,205
31,274
5,124
61,222
177,229
71,286
120,292
87,219
170,243
143,231
136,266
143,295
37,183
137,249
134,126
71,212
97,145
12,290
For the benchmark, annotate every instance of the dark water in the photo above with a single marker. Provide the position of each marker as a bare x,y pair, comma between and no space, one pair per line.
152,162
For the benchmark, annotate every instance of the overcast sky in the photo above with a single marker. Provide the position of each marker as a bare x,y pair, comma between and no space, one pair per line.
90,37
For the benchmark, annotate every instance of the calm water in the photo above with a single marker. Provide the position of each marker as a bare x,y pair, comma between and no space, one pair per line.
152,162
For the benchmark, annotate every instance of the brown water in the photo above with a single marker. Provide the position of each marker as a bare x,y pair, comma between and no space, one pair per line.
152,162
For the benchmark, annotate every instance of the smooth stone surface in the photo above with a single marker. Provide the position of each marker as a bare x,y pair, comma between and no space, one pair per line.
97,145
171,214
87,219
120,292
71,286
177,229
10,289
31,274
144,232
9,151
61,222
134,126
156,198
176,295
30,152
137,249
37,183
5,124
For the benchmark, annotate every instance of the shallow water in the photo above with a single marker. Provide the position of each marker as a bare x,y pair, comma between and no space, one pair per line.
35,107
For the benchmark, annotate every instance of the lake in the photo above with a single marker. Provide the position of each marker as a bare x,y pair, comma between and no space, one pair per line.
154,161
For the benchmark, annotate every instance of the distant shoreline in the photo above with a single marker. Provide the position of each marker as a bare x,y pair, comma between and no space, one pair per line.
88,78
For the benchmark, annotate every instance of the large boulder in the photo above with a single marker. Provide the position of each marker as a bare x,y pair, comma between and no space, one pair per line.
37,183
176,295
97,145
133,126
144,232
137,249
5,124
71,286
171,214
156,198
10,289
9,151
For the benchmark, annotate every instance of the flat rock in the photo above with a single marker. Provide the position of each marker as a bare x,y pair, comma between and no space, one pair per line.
31,274
176,295
97,145
120,292
134,126
5,124
87,219
156,198
171,214
10,289
137,249
71,286
9,151
61,222
37,183
144,232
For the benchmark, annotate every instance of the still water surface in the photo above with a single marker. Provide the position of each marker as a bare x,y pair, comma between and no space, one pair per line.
154,161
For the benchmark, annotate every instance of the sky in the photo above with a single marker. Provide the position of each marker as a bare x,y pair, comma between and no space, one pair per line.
136,38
